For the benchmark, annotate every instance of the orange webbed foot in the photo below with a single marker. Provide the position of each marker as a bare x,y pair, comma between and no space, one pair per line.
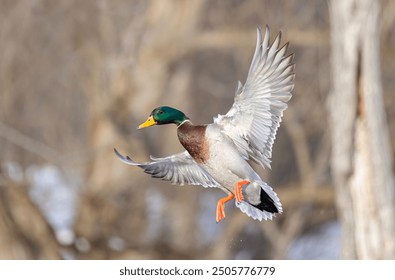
239,190
220,214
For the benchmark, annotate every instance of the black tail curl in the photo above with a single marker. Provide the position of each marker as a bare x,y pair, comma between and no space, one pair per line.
266,204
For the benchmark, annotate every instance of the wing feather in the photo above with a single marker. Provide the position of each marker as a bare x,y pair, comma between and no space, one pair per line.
255,116
178,169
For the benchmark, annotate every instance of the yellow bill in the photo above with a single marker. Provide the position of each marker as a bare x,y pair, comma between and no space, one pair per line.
149,122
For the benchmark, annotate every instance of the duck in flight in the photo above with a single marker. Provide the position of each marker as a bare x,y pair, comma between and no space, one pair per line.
218,154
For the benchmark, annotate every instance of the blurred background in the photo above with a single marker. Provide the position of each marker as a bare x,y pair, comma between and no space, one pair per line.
78,77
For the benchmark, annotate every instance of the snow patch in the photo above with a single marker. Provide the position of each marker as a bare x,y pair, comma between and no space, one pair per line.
56,198
322,243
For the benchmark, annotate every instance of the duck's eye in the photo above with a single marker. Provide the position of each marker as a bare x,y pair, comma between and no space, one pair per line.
160,112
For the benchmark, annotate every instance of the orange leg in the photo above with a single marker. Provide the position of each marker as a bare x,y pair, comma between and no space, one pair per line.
238,190
221,207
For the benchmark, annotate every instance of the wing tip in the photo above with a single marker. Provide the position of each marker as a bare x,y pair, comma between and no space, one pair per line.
267,29
277,40
258,29
124,159
117,153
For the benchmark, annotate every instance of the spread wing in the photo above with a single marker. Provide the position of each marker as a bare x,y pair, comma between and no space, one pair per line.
255,116
178,169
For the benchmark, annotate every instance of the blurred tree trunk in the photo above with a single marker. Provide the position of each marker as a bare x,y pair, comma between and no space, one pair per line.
361,154
24,232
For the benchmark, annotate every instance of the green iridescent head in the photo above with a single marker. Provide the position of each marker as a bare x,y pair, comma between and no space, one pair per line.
164,115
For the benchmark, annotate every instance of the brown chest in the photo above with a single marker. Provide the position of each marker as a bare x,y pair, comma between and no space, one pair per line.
193,138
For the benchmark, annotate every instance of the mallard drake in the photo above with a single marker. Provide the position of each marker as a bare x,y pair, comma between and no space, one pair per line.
218,154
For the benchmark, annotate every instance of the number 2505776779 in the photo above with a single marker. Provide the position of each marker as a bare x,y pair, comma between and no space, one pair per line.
242,270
